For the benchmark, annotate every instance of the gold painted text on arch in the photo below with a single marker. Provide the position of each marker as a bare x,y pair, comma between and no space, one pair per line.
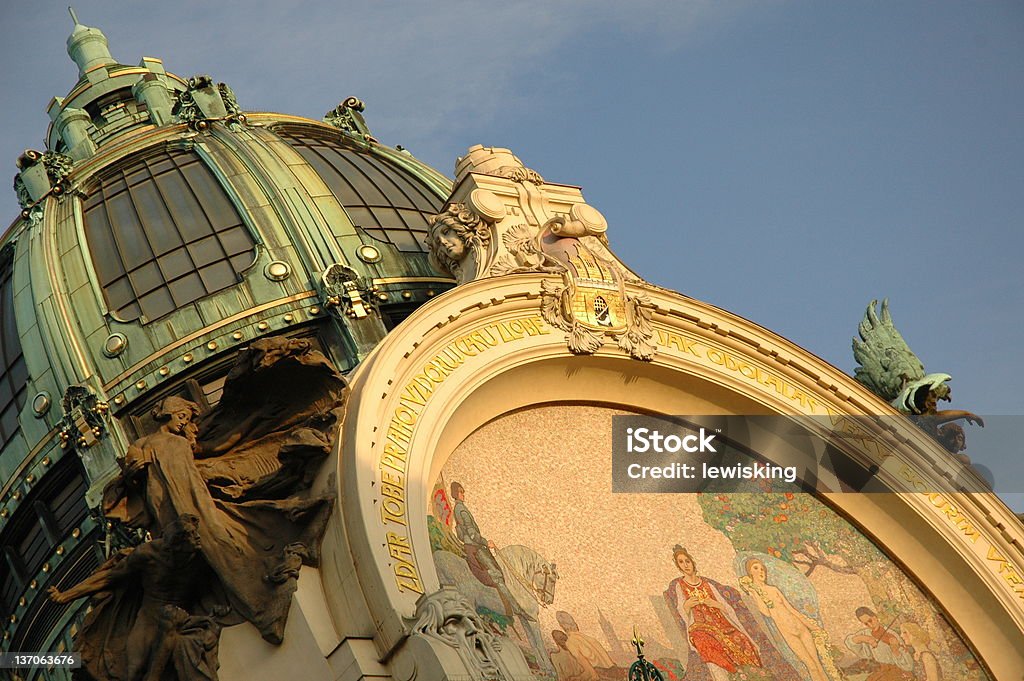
412,400
751,372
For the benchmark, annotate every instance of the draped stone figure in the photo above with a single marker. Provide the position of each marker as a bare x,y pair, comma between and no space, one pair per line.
241,474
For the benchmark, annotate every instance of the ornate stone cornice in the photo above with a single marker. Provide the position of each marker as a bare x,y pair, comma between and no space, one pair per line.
502,218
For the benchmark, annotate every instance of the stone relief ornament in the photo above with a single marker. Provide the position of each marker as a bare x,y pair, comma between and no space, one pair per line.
503,218
39,174
348,117
447,616
456,238
892,371
84,418
591,302
203,102
346,292
227,497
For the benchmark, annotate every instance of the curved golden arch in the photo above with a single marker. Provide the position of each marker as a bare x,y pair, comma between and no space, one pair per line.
516,361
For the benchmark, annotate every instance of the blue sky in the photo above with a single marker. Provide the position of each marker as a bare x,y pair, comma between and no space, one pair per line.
787,161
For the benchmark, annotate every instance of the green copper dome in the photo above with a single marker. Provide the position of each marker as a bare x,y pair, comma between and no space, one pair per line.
163,229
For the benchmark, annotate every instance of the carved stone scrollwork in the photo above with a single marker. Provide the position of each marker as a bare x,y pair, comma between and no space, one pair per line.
519,174
21,191
346,292
503,218
40,173
84,418
446,616
348,117
203,102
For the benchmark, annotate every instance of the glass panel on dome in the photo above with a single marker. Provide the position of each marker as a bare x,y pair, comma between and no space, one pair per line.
383,200
13,372
152,224
55,506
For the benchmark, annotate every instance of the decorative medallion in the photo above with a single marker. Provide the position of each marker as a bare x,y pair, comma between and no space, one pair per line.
115,344
368,253
278,270
41,404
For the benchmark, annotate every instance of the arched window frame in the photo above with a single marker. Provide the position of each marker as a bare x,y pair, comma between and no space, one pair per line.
94,183
433,202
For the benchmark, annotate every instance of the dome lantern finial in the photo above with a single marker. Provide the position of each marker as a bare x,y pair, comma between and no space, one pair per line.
87,46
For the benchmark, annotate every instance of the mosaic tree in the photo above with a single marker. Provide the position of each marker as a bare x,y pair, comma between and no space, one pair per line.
798,528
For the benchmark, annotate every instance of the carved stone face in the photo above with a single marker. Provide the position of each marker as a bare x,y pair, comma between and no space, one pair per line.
184,533
179,421
453,243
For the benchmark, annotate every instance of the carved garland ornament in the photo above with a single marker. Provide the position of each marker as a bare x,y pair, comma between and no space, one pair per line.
21,191
519,174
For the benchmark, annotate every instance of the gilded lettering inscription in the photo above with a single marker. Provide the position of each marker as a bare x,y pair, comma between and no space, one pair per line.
412,399
752,372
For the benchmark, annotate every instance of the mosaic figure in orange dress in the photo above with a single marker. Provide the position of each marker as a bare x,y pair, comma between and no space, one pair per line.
711,623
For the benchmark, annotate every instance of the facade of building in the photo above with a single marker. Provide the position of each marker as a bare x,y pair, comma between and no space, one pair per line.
488,335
